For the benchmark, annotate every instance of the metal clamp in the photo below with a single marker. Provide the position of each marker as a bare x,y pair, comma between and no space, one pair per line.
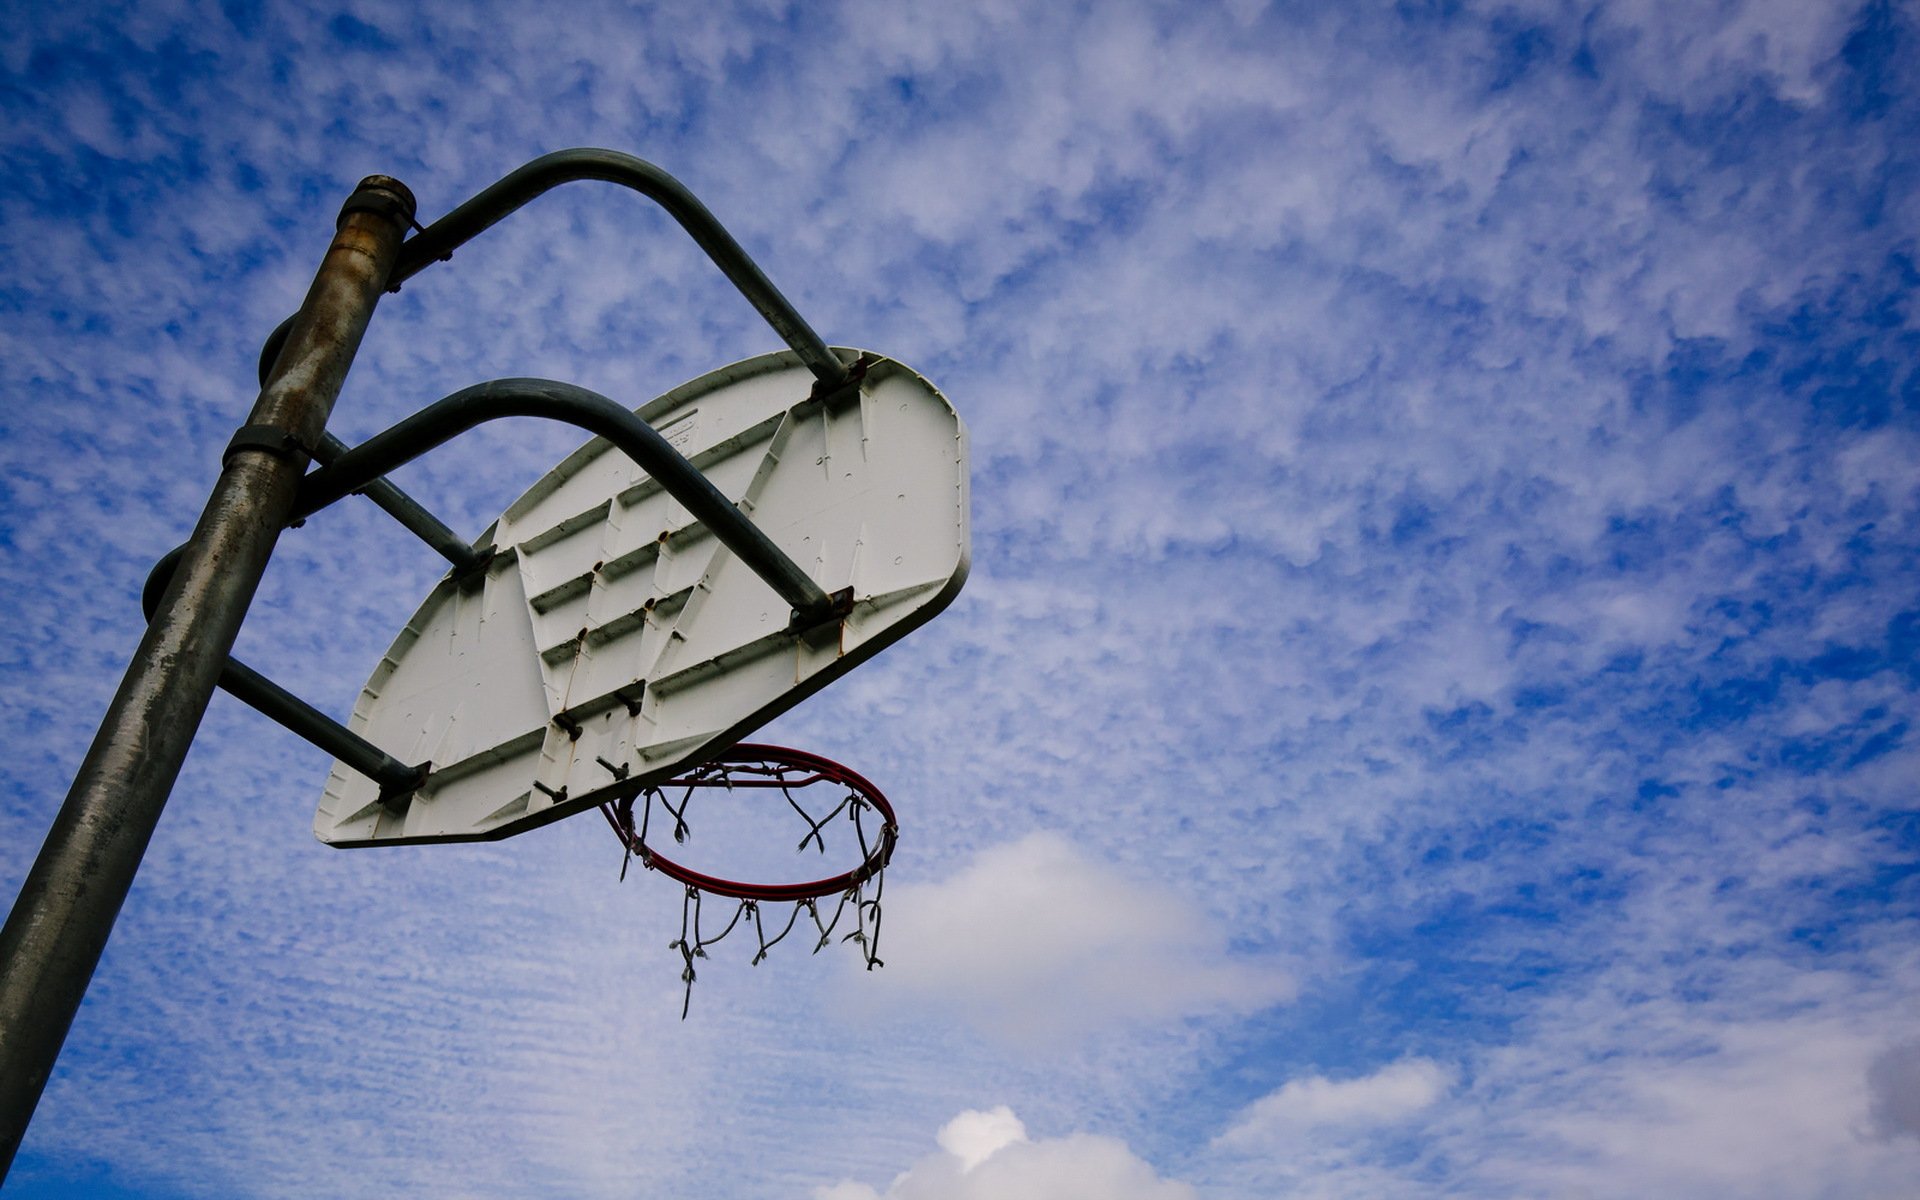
270,438
385,195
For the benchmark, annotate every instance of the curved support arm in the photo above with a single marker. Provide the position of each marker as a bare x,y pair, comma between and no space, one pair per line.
453,415
439,240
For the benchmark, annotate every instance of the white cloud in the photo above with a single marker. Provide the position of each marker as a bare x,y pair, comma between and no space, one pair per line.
1393,1093
1702,1108
1228,307
988,1156
974,1136
1034,938
1893,1086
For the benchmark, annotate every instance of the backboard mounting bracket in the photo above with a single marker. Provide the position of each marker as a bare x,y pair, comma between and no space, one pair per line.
805,623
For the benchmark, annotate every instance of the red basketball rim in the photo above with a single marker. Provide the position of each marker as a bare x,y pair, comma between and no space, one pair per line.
818,769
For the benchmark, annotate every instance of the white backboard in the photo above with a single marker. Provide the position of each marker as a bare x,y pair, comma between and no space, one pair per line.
612,628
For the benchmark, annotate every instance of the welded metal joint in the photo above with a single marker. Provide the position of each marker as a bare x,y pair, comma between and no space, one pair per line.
828,393
804,621
476,565
397,797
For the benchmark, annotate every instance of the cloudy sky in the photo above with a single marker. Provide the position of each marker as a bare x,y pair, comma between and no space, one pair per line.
1432,712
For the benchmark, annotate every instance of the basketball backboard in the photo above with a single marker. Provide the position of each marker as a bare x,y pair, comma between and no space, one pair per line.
612,640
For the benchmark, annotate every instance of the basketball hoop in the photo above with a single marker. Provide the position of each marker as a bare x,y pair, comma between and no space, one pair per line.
749,766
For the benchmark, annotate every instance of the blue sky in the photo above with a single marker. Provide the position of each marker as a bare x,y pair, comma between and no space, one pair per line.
1431,711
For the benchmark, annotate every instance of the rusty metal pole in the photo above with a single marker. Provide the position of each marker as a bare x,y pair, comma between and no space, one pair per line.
59,925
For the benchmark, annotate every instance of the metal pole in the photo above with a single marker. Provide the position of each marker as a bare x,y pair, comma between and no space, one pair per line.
59,925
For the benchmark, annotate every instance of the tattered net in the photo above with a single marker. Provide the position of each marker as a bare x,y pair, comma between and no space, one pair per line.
809,784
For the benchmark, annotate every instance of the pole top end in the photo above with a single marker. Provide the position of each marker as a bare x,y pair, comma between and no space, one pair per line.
381,194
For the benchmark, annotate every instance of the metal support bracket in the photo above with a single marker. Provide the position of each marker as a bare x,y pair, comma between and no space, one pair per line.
397,780
413,515
450,416
437,242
